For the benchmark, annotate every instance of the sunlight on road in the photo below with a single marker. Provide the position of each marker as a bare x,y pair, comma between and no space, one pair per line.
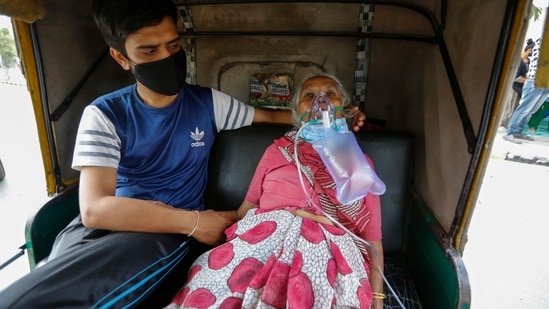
24,188
506,255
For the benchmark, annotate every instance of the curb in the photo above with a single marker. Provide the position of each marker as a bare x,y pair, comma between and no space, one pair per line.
529,152
13,83
528,160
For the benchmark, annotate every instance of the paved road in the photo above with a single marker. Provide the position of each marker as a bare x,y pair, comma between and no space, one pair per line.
507,253
24,189
536,152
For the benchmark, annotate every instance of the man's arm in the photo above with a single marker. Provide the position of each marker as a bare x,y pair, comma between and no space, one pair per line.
101,209
280,116
263,115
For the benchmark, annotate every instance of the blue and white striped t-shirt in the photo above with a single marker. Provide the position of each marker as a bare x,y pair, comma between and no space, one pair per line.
160,153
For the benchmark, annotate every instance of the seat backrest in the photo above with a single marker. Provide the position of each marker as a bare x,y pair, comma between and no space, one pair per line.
235,155
42,228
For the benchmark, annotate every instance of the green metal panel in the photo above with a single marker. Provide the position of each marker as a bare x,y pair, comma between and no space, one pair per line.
42,228
437,268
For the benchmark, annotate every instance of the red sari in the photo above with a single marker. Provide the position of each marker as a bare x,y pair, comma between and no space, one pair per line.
275,259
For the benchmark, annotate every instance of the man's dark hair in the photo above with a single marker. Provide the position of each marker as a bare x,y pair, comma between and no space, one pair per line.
116,19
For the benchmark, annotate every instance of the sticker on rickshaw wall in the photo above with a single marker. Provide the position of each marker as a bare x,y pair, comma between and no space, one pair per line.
272,90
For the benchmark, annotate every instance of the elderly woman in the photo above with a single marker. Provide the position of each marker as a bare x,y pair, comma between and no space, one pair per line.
285,252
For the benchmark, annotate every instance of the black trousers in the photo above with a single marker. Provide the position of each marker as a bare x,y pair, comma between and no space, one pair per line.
91,268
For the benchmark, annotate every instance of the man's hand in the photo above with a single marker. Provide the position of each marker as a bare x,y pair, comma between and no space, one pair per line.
211,228
357,121
235,215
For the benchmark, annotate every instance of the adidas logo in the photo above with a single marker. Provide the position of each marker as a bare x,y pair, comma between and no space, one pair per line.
197,136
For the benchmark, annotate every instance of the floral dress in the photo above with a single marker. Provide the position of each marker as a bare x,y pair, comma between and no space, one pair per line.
275,259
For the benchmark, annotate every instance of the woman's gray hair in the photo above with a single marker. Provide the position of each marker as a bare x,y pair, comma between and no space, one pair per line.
294,104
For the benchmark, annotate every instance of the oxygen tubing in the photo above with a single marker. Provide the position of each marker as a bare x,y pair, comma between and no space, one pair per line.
336,223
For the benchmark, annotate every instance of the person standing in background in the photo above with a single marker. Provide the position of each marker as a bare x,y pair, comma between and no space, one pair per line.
531,100
520,78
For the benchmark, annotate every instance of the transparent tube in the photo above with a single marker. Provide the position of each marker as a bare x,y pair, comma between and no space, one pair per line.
336,223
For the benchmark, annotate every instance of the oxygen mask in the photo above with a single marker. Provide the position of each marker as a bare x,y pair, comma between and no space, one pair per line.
322,112
320,121
339,151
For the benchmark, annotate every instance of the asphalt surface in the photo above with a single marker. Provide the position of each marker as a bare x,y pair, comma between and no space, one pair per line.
506,255
23,190
531,152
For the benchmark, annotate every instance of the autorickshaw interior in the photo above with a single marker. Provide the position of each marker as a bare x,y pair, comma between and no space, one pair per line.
432,71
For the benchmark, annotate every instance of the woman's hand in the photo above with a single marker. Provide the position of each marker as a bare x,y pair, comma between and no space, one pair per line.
243,209
376,273
316,218
377,303
235,215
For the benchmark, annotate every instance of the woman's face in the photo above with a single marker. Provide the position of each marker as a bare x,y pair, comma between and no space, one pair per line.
314,86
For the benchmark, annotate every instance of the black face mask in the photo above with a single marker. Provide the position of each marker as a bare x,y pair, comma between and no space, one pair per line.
165,76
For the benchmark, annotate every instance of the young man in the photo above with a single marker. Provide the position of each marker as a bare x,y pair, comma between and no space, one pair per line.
142,152
531,100
520,78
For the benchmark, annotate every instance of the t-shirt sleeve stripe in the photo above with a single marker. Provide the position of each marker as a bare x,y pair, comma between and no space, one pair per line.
230,113
97,143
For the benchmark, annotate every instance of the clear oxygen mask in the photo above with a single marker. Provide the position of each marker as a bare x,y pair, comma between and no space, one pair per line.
322,112
339,151
320,121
